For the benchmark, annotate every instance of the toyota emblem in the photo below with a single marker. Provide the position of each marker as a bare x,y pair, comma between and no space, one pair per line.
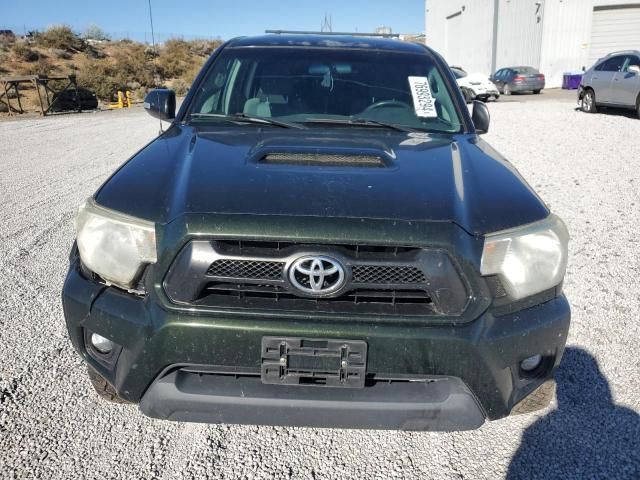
317,275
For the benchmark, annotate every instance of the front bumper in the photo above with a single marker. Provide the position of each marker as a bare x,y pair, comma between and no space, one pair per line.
206,367
438,404
486,92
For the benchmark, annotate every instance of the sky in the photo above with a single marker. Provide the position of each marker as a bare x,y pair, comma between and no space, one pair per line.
214,18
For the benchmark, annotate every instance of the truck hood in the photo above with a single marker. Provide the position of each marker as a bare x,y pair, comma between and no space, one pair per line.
420,177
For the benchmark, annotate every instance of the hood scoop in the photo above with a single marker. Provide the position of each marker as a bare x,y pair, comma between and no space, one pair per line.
324,159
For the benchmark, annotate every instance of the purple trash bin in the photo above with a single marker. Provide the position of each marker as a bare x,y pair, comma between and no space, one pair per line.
571,81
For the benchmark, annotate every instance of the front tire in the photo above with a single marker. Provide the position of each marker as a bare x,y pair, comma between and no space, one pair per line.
588,102
103,388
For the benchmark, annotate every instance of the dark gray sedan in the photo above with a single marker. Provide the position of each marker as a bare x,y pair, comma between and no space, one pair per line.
518,79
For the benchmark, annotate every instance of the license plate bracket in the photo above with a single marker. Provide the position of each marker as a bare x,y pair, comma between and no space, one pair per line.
314,362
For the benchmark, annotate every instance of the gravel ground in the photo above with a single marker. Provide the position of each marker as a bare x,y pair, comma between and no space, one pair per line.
52,425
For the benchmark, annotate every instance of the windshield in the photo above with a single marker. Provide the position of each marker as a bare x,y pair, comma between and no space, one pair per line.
304,85
526,70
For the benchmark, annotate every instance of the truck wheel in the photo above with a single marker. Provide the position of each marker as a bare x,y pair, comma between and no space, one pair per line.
588,102
537,400
103,388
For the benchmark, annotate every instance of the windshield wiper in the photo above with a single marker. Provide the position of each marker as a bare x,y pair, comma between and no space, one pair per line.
244,118
360,122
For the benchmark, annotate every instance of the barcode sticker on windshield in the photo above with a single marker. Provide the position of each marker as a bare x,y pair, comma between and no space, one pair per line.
423,102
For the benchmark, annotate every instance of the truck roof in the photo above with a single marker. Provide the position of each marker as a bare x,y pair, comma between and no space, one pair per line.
327,41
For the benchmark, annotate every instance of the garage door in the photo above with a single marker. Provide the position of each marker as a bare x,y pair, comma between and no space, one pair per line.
614,28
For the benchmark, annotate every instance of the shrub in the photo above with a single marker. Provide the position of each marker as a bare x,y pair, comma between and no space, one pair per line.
128,68
6,41
203,48
174,58
60,37
99,77
180,87
94,32
42,67
132,64
190,74
23,52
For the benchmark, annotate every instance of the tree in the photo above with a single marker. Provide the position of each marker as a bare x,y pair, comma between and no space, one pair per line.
94,32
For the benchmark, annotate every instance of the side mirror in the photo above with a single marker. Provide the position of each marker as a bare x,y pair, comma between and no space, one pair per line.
633,69
480,117
161,103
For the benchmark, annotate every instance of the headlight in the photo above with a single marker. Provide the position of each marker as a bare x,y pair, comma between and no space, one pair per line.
114,245
528,259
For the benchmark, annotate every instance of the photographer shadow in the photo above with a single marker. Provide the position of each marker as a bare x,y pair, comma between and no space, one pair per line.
588,436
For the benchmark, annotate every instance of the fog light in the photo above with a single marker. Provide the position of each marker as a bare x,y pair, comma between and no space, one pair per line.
101,344
531,363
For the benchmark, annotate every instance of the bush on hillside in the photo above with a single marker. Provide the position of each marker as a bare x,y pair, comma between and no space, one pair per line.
94,32
99,77
132,64
173,58
23,52
190,74
42,67
60,37
128,67
180,87
183,59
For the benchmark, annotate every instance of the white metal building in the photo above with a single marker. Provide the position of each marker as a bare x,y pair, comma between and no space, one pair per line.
554,36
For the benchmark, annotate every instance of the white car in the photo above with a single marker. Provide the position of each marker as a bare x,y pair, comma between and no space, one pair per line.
475,86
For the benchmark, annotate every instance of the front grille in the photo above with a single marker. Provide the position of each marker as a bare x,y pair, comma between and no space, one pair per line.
269,297
256,269
380,279
240,248
385,274
357,296
268,270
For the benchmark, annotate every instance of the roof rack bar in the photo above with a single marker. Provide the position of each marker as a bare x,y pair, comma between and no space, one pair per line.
351,34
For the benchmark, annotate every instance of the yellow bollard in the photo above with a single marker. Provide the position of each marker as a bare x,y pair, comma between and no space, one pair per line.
129,100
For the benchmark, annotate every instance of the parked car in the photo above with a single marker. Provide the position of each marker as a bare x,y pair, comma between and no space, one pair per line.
475,86
518,79
614,81
320,238
68,100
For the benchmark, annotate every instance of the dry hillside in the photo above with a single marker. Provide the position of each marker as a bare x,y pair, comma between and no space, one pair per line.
101,65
